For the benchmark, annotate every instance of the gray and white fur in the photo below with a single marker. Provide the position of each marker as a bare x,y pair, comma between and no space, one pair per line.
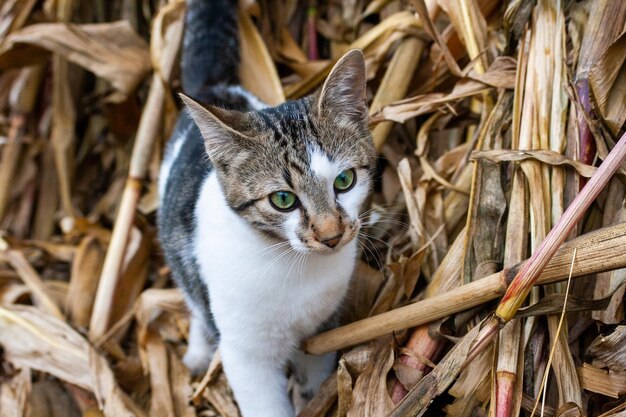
259,279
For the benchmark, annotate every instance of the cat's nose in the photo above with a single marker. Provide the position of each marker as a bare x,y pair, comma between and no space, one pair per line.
332,242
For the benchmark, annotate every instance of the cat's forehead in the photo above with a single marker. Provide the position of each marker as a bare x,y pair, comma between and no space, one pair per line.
295,126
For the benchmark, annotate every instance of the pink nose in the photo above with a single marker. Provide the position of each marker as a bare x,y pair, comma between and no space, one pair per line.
332,242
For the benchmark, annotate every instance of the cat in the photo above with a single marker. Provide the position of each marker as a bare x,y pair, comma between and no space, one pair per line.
259,212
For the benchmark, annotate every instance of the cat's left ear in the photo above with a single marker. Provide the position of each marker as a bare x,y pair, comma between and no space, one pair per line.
343,95
221,130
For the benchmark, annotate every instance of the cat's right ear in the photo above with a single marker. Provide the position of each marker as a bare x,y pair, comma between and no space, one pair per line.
218,128
343,95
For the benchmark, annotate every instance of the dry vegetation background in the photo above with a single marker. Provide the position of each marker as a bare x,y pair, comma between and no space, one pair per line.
490,116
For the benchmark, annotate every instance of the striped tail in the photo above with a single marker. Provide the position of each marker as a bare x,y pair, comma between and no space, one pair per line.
211,45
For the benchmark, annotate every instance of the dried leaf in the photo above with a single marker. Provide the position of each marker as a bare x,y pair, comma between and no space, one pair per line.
607,80
369,397
545,156
610,350
603,382
15,392
112,51
47,344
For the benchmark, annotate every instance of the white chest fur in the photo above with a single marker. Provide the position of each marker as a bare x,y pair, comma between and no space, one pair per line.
252,283
265,299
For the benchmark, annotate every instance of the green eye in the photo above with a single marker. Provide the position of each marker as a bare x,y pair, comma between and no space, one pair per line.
345,180
284,200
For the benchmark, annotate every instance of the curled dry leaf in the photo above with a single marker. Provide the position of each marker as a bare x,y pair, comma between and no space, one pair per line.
545,156
32,340
258,73
603,382
369,396
112,51
607,80
86,270
610,351
500,75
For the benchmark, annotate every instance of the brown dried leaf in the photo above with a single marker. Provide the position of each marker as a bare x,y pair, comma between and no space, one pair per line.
13,14
60,251
553,304
156,352
370,397
569,410
15,392
344,389
607,80
149,305
31,278
321,403
47,344
500,75
112,51
257,70
219,396
610,351
543,155
469,390
48,398
84,278
602,382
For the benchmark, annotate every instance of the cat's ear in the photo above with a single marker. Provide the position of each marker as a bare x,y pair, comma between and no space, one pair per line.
220,128
343,95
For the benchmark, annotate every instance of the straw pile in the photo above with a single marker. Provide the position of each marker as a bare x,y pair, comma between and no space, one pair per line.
490,117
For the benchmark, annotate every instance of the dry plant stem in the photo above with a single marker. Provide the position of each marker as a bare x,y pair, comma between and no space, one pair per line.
8,161
399,20
421,343
527,277
142,150
23,98
63,116
395,83
427,348
601,250
100,318
529,274
165,42
506,377
257,71
34,282
554,344
64,120
474,52
507,397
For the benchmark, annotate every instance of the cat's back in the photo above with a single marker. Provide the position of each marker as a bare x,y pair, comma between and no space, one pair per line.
184,169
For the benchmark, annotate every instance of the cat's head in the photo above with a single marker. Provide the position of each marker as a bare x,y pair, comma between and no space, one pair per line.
301,171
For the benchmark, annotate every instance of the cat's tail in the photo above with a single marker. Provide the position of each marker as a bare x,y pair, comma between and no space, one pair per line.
211,45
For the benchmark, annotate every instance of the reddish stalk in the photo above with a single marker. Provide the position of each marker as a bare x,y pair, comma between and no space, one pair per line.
424,346
587,150
528,275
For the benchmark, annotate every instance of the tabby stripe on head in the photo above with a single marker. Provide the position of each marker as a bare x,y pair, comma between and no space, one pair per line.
287,177
241,207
